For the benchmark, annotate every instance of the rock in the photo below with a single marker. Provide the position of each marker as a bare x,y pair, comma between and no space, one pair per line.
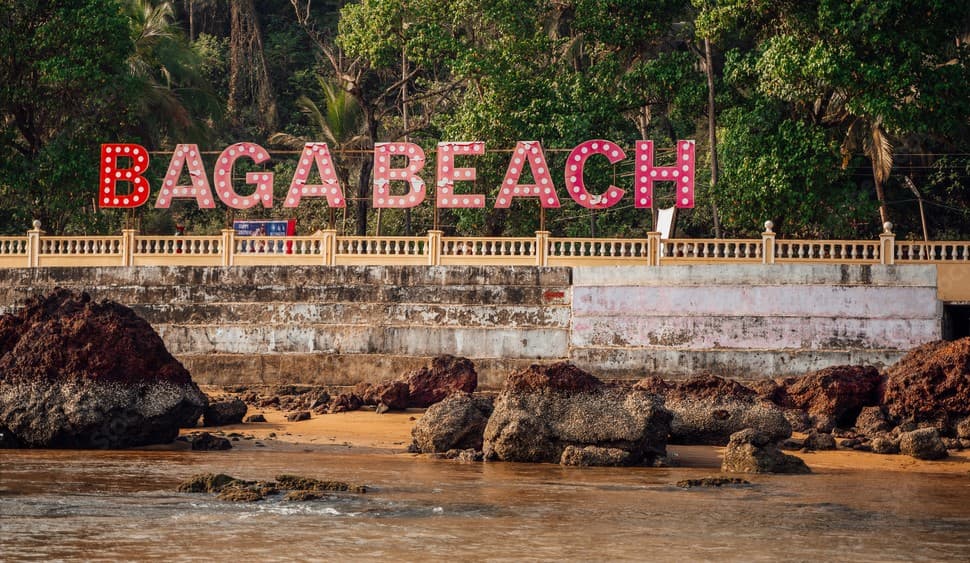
833,396
79,374
798,419
203,441
751,451
464,456
8,440
963,429
240,494
447,375
296,482
708,409
345,402
819,441
222,413
587,456
302,496
709,482
871,421
924,443
205,483
394,395
298,416
952,443
930,384
544,409
884,444
255,418
457,422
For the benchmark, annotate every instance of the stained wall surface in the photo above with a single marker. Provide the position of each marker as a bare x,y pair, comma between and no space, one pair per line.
340,325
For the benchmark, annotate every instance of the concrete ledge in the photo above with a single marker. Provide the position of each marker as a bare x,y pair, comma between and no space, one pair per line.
634,364
758,274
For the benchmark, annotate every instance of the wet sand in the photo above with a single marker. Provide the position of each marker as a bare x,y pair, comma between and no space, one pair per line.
391,433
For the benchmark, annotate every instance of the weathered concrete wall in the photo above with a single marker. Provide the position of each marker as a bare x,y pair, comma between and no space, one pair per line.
331,325
749,321
340,325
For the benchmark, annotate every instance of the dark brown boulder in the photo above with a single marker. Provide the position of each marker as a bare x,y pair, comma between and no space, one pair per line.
930,384
221,413
394,395
80,374
833,396
561,376
345,402
447,375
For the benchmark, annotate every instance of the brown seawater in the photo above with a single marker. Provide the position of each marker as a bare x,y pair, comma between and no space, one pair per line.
89,505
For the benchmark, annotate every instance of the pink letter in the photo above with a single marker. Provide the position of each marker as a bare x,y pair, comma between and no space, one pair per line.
319,154
448,175
384,173
681,173
112,172
222,177
528,153
199,188
575,183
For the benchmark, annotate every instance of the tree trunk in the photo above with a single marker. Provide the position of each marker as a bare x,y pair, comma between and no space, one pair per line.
248,77
712,132
881,197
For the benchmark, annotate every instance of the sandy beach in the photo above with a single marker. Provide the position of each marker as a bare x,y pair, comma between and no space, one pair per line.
390,432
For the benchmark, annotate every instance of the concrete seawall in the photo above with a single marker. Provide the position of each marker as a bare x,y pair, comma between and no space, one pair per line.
344,324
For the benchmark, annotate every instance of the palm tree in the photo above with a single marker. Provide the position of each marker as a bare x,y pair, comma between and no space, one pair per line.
340,123
868,135
174,98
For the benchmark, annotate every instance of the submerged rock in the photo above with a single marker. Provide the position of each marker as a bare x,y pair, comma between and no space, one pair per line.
203,441
751,451
79,374
708,409
543,410
458,422
587,456
712,482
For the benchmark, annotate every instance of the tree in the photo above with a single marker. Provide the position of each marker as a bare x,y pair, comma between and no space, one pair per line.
64,86
871,73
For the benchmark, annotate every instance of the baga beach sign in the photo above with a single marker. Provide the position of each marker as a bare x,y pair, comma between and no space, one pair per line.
394,163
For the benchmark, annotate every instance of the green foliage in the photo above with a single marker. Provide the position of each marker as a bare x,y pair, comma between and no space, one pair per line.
64,87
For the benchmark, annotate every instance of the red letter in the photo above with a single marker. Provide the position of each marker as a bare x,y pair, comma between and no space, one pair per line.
384,174
112,172
317,153
448,175
576,185
222,177
681,173
530,153
197,190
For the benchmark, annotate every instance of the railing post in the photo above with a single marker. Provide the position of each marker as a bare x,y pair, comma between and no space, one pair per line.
128,247
542,248
434,248
33,245
656,249
329,246
228,246
887,244
768,244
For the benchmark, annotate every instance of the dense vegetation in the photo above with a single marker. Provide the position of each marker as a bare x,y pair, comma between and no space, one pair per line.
831,116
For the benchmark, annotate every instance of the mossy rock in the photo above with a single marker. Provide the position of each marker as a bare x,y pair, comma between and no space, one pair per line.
299,496
206,483
297,483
